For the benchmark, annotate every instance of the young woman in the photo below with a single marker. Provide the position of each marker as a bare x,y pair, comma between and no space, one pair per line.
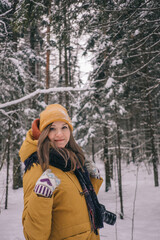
60,185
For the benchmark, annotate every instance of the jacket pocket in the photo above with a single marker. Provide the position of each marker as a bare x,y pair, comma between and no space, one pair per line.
80,236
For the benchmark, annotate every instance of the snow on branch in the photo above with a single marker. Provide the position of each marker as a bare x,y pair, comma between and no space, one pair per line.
3,14
6,114
144,40
39,4
43,91
1,22
137,70
152,21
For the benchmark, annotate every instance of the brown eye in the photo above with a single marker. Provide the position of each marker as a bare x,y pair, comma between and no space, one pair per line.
64,127
52,129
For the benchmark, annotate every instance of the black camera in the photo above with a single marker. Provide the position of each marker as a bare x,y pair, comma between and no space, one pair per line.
108,217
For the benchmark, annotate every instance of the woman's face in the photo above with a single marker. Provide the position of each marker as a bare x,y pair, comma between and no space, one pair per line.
59,134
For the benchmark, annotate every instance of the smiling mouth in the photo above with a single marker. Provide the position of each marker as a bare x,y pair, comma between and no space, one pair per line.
60,140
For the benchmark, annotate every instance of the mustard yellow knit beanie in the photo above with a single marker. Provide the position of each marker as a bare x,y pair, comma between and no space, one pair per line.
53,113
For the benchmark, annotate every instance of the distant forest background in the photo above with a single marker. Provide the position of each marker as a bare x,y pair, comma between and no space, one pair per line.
116,110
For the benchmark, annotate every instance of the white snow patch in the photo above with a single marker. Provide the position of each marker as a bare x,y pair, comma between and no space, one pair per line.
109,93
109,82
116,62
121,89
113,103
136,32
122,110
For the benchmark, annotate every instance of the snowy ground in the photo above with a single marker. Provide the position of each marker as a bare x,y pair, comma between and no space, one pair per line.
147,208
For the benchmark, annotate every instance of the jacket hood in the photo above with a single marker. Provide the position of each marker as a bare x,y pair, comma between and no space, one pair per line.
28,147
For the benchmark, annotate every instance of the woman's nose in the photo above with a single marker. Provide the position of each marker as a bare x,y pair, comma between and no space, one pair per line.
59,132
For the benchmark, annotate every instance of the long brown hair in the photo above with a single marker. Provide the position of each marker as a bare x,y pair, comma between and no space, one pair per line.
72,151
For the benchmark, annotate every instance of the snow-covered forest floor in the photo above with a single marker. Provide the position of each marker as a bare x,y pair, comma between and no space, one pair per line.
146,215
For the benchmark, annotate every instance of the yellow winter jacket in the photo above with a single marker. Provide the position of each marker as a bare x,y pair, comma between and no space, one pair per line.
65,215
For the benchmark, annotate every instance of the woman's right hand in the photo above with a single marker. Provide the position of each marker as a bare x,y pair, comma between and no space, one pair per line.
92,168
46,184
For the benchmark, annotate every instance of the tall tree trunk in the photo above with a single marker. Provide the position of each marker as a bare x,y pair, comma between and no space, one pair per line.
8,163
151,123
106,159
31,62
17,179
93,152
66,45
119,171
48,56
60,71
111,165
118,156
70,65
16,165
66,76
132,140
154,153
32,45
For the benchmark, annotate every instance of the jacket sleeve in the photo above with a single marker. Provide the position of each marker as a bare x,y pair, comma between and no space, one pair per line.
96,183
37,214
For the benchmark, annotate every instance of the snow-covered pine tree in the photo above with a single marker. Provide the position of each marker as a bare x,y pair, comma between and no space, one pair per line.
17,76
